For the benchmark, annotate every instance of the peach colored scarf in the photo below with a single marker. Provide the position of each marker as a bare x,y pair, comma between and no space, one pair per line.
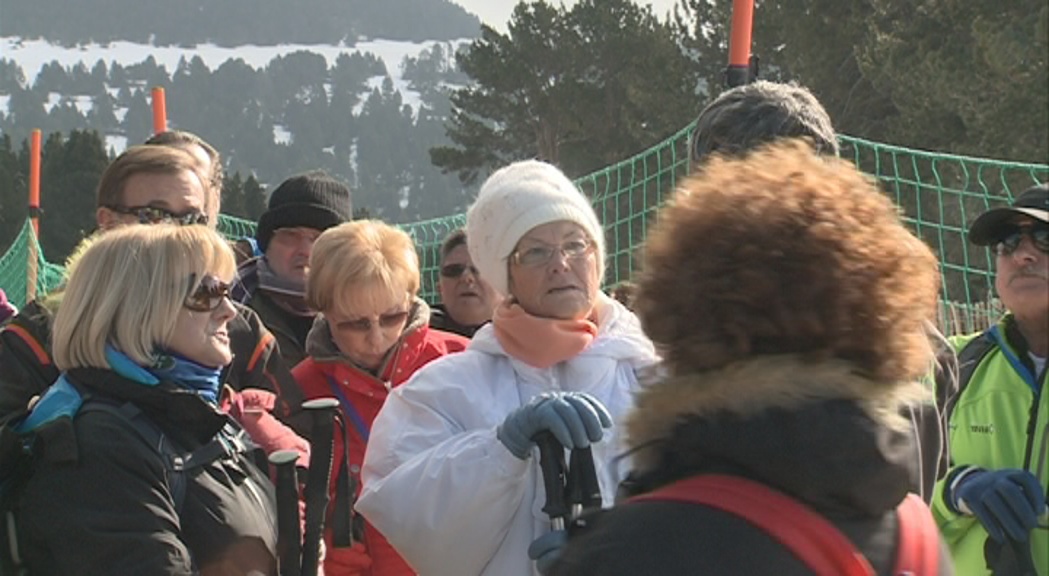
540,342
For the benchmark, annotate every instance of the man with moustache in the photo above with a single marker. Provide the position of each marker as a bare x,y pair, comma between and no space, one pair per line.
991,505
467,300
274,284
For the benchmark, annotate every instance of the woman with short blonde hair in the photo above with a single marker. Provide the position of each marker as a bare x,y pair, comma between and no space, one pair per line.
371,334
128,292
366,252
141,339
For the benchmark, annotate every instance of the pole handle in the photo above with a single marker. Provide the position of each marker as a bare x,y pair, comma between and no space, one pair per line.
552,463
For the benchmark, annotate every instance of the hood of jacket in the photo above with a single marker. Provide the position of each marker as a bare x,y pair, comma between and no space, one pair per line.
619,336
816,430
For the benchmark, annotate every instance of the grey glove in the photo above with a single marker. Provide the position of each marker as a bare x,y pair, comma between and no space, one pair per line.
575,418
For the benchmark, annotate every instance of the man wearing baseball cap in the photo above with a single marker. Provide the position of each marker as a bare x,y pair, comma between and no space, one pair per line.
991,505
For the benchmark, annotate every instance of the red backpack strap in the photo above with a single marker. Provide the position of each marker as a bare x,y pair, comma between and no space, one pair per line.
918,551
808,535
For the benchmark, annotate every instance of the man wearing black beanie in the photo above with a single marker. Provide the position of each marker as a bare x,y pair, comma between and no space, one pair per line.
274,284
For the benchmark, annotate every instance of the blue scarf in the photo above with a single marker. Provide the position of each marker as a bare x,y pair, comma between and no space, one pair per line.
172,368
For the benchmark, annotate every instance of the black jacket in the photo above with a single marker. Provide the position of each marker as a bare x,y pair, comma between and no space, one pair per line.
291,340
442,320
816,444
107,505
26,368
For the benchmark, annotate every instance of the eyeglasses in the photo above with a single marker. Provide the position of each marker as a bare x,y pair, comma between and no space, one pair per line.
208,295
540,255
386,322
457,270
157,215
1038,233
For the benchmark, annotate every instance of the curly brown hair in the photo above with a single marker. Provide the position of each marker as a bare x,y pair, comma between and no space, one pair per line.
785,252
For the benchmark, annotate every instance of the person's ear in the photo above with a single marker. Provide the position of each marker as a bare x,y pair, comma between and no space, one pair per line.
106,218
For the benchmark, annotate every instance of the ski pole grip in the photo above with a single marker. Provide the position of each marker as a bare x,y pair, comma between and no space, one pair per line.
289,535
582,467
322,440
552,463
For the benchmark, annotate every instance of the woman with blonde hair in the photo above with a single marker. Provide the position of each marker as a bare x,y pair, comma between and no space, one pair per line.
371,334
790,303
138,471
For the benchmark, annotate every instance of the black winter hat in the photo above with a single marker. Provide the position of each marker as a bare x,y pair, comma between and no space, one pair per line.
991,225
311,200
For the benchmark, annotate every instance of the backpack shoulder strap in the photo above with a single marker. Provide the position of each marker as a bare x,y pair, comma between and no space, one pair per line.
970,356
152,435
918,551
812,538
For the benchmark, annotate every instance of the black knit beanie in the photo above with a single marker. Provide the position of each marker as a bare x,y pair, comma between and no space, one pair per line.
311,200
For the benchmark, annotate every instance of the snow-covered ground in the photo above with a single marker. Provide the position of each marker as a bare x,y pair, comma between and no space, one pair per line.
31,55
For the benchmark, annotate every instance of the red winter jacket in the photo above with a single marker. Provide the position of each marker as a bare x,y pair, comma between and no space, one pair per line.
326,367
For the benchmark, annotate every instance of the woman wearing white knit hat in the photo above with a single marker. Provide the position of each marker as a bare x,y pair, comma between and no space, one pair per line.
451,476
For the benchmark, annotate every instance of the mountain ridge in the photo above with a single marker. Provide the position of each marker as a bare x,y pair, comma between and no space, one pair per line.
232,23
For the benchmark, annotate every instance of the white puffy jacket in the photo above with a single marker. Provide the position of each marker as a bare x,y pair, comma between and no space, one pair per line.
445,491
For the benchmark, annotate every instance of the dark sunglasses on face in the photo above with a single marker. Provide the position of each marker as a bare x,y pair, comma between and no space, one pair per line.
208,295
386,322
457,270
157,215
1038,233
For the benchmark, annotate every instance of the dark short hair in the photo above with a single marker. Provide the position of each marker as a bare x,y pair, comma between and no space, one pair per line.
743,118
454,240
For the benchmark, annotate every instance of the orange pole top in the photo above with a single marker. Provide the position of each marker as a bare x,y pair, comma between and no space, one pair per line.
160,112
742,25
34,180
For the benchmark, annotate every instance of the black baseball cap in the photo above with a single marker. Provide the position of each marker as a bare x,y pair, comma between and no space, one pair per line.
993,224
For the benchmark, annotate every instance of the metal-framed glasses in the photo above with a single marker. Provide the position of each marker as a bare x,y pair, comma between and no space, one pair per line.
541,254
158,215
363,325
208,295
1038,233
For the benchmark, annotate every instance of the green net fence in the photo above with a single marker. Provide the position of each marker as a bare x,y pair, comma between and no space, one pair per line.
937,193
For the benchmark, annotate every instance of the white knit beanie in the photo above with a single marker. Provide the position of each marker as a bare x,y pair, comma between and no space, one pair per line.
516,199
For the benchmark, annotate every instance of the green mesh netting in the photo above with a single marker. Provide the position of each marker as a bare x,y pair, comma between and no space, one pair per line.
24,273
938,194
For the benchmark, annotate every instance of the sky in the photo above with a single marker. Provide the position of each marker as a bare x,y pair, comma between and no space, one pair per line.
496,13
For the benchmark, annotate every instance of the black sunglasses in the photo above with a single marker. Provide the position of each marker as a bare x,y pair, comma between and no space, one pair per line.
457,270
208,295
1038,233
157,215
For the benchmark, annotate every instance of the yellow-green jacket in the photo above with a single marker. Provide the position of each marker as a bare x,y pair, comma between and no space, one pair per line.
998,418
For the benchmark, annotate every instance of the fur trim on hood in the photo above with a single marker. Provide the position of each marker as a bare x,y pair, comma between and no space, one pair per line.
746,389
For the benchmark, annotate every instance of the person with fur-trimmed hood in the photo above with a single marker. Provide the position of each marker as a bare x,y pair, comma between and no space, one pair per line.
747,117
788,302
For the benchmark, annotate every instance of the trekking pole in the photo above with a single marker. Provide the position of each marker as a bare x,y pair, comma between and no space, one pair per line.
583,489
322,440
552,462
289,536
345,492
